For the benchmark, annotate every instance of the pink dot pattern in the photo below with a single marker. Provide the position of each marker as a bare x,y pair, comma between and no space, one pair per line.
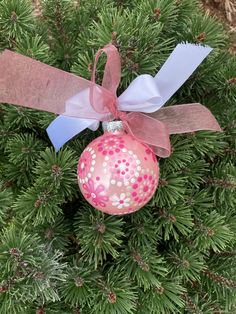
110,145
143,188
84,164
117,174
122,167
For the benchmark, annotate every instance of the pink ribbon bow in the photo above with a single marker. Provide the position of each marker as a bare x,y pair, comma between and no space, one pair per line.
145,128
33,84
151,129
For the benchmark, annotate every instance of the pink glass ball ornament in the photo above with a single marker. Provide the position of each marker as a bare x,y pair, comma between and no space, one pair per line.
116,173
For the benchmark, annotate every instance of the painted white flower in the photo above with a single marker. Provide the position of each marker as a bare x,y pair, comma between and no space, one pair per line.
120,201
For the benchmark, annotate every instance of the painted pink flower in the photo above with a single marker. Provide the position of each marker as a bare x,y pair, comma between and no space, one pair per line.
120,201
110,144
123,167
95,194
143,188
85,162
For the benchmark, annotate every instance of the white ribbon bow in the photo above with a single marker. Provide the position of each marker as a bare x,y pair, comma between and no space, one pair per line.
145,93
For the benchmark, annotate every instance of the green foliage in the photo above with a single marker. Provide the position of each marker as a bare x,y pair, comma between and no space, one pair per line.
144,266
78,289
140,230
16,118
178,160
207,30
56,235
22,151
25,263
6,199
186,263
16,18
57,171
102,236
209,144
36,48
62,27
38,205
172,222
172,187
137,39
211,231
224,85
117,293
222,184
164,299
161,13
175,255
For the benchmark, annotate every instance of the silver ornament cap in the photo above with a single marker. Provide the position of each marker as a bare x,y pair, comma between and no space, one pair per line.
112,126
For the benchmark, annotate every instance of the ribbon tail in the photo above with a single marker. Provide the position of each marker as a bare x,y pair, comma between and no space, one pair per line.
63,128
33,84
182,62
150,131
147,94
187,118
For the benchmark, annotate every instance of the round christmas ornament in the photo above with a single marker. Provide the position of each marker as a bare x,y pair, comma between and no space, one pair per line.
117,174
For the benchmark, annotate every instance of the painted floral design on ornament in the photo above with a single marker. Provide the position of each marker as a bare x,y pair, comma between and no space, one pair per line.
123,167
86,165
95,194
143,188
110,144
121,200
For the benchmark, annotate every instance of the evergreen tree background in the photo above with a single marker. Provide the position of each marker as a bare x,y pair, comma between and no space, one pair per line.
57,253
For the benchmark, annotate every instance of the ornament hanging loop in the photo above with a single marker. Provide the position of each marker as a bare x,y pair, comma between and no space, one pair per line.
110,81
112,71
